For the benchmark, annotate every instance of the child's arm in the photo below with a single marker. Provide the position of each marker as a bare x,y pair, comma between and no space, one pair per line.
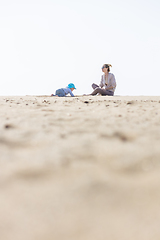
71,93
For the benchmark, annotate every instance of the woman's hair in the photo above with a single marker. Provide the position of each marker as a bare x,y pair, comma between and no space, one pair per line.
107,66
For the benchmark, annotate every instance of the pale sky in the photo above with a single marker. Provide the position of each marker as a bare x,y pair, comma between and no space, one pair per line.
46,44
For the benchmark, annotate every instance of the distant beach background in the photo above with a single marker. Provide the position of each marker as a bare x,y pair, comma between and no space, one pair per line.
47,44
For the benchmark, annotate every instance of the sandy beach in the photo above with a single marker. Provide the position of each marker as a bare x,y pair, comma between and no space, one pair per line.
82,168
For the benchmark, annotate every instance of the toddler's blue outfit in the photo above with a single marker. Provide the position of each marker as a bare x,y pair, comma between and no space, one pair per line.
62,92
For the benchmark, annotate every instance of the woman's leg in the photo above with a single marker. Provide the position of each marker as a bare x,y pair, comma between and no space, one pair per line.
103,92
109,93
94,86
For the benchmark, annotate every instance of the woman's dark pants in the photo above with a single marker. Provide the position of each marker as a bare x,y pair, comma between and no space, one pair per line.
103,92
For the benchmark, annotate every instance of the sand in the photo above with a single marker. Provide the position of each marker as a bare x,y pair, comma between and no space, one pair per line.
83,168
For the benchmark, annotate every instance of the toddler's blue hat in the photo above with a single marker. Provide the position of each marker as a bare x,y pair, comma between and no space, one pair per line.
71,85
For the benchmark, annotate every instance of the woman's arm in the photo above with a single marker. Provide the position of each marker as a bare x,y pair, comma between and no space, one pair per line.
101,82
112,83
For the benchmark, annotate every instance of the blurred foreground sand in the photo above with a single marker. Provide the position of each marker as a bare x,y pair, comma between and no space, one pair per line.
83,168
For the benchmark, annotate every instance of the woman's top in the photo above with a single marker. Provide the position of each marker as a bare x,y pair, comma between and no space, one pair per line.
107,83
68,90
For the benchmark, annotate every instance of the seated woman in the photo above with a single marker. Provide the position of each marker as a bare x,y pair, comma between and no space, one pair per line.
108,83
